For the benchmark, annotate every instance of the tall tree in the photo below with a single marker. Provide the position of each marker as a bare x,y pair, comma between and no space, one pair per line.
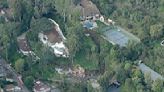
73,34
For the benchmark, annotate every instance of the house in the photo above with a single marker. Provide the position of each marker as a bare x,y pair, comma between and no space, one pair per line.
89,10
41,87
12,88
23,45
24,48
55,39
89,14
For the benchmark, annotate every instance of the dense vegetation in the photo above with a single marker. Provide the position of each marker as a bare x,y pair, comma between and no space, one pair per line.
143,18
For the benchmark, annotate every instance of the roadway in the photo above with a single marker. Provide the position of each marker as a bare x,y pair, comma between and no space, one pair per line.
14,73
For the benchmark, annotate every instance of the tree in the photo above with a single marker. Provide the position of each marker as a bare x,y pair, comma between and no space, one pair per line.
128,86
105,78
127,67
157,86
37,26
19,65
29,80
64,7
73,35
4,39
3,4
148,80
156,30
43,7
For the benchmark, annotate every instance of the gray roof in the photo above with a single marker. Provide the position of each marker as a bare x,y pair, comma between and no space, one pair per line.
88,8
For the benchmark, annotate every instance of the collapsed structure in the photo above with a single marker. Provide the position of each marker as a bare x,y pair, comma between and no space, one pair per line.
55,39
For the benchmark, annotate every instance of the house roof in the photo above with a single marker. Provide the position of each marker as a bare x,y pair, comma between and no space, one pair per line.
40,86
22,43
88,8
9,87
53,36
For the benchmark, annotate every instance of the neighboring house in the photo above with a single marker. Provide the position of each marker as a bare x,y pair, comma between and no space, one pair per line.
55,39
89,13
41,87
89,10
12,88
147,70
24,47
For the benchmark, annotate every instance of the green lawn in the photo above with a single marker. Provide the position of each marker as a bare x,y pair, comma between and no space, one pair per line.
100,26
81,59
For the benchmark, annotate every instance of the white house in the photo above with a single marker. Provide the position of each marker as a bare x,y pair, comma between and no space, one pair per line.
55,39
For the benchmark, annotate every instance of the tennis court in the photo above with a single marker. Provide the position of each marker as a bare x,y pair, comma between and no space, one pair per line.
116,35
